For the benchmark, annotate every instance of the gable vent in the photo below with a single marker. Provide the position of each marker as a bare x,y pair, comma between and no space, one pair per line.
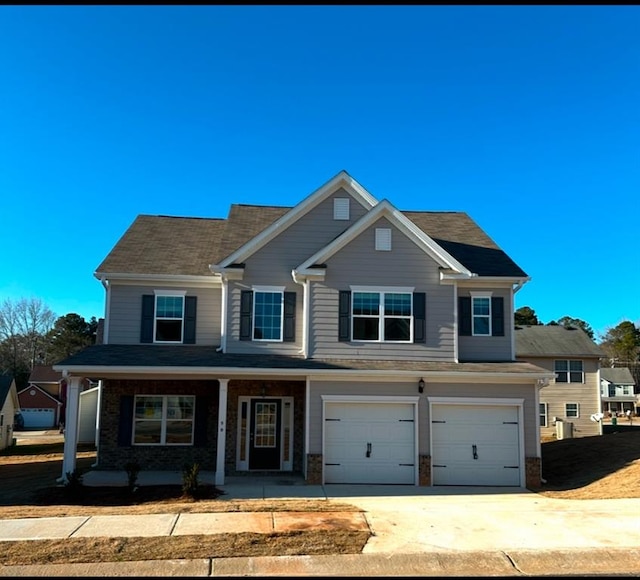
341,208
383,239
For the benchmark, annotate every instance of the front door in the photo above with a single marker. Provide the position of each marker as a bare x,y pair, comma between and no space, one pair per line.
264,439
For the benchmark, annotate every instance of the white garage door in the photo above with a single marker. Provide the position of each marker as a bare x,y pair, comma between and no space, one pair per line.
369,443
475,445
38,418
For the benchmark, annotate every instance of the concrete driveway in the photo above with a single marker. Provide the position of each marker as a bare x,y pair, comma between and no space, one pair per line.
418,520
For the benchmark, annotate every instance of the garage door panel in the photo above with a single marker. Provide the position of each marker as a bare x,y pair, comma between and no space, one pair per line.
38,418
475,445
387,431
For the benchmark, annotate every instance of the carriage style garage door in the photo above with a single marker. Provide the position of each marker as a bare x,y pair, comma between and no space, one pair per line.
369,443
475,445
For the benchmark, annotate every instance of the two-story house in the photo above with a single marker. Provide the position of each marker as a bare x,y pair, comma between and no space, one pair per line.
617,391
341,339
572,398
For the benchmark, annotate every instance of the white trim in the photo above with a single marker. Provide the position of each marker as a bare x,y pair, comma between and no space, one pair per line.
566,414
223,314
35,386
272,289
135,279
480,293
107,308
369,399
456,325
406,226
480,296
342,179
170,292
163,421
384,289
381,317
488,401
546,412
307,424
222,430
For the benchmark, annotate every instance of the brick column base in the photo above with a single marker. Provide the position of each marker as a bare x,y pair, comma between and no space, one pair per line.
314,469
533,466
424,470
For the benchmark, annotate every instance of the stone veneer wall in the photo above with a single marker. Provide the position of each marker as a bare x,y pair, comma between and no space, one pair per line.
156,457
272,388
314,469
424,470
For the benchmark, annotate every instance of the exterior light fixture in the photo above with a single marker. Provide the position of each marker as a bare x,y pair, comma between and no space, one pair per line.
421,386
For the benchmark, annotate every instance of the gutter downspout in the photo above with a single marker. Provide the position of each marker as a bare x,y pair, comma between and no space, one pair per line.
304,282
223,315
107,307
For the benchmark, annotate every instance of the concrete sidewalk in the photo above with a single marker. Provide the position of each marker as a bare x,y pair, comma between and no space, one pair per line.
416,531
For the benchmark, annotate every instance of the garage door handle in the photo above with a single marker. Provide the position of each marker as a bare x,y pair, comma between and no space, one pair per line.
368,449
475,451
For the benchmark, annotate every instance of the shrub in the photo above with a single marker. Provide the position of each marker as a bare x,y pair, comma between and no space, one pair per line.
133,469
190,483
73,483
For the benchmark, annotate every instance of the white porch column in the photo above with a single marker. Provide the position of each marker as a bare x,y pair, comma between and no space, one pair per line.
222,430
71,426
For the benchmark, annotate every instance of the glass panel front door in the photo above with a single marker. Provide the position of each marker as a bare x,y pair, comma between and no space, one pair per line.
265,440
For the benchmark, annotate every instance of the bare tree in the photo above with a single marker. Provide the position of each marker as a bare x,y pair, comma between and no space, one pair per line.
24,325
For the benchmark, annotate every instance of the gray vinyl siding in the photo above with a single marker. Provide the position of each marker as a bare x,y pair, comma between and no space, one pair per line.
586,394
272,264
358,263
488,348
392,390
126,311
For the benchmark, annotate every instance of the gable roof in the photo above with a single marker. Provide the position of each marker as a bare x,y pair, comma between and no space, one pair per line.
341,180
6,384
149,247
386,209
619,376
40,389
554,340
44,374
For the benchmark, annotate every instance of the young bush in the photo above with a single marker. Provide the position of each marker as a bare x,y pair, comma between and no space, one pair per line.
133,469
73,485
190,482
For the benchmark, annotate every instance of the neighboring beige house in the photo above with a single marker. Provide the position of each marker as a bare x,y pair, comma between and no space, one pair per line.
617,391
568,403
8,407
341,340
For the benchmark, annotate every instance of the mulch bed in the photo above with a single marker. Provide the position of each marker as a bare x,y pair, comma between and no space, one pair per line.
117,496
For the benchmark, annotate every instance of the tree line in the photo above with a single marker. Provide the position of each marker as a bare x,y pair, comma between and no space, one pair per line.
32,334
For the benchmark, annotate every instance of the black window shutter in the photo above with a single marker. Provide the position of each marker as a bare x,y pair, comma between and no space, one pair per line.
344,316
289,331
200,417
497,316
146,325
464,316
190,307
246,313
125,422
419,317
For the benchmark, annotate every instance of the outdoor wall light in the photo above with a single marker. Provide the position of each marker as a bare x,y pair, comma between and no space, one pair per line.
421,386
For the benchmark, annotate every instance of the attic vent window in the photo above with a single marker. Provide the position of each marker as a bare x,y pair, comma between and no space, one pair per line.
383,239
341,208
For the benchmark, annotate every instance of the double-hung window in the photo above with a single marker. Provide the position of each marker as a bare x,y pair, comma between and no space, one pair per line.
572,410
163,420
267,315
543,414
382,316
481,315
169,318
569,371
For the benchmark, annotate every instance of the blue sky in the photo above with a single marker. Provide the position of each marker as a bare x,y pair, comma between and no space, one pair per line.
525,117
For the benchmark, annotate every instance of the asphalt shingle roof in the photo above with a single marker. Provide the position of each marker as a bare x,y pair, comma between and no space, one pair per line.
540,341
117,355
186,246
619,376
5,387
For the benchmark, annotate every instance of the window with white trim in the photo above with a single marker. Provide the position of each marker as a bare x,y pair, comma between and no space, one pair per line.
572,410
481,315
341,208
569,371
267,315
382,316
163,420
169,318
383,239
544,412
